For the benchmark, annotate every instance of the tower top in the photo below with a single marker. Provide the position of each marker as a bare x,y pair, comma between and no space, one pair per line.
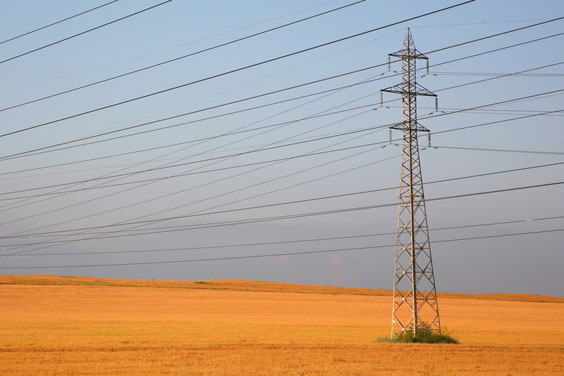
409,49
409,86
408,38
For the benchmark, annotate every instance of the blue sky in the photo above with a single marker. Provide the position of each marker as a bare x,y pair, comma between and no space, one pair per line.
529,264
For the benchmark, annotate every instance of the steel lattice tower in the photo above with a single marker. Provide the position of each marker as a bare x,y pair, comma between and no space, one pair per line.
415,305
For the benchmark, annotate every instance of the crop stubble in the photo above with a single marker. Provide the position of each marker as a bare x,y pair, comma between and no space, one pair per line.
87,328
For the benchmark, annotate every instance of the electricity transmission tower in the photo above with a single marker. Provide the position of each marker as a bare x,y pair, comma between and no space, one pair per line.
415,306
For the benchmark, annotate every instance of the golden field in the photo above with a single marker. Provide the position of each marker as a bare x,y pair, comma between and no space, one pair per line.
53,325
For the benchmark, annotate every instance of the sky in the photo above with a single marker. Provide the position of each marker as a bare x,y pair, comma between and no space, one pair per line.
244,143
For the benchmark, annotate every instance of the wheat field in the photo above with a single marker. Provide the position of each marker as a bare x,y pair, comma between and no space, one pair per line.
53,325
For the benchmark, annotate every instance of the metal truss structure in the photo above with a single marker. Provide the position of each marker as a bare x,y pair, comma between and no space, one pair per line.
415,306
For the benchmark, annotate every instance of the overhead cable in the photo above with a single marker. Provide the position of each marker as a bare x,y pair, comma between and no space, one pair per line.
230,71
83,32
499,150
228,43
44,149
317,139
154,52
180,57
57,22
263,219
294,241
271,254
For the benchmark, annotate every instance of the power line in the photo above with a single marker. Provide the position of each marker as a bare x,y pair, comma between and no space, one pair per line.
502,76
252,197
57,22
275,218
495,74
101,167
125,164
115,209
43,149
168,48
495,122
261,147
314,139
330,90
492,111
273,254
480,23
83,32
145,184
205,247
231,71
189,173
284,124
174,193
498,34
259,220
212,48
180,57
499,150
229,223
183,228
237,129
187,142
248,208
263,162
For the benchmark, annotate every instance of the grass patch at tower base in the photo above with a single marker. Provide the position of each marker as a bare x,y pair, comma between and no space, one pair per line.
422,336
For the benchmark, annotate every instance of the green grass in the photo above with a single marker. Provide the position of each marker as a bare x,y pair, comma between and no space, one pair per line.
423,336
